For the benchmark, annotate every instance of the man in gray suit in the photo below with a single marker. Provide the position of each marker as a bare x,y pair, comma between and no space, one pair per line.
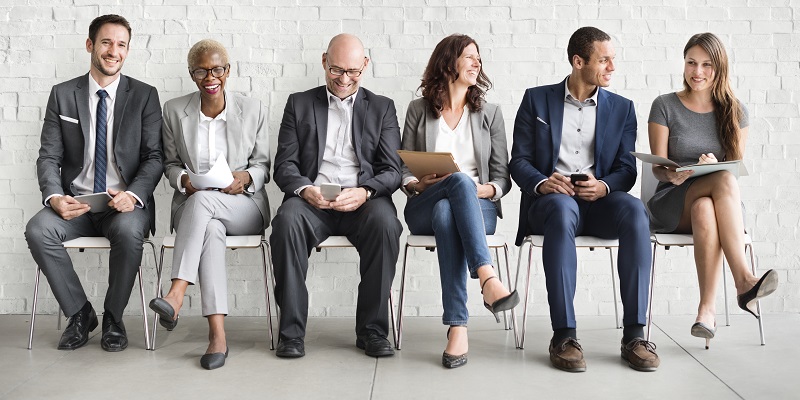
346,135
101,133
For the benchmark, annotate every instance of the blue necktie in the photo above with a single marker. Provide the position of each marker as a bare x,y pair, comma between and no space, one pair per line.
100,160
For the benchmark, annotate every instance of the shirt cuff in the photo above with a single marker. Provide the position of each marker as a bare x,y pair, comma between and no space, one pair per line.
498,193
139,203
47,200
608,189
536,188
179,185
409,180
300,189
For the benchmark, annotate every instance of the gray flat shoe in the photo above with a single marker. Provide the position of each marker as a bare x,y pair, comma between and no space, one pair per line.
213,360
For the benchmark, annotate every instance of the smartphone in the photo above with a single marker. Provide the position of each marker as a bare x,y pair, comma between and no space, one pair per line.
330,191
578,177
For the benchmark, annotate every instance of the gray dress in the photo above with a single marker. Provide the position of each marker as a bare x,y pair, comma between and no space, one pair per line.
690,135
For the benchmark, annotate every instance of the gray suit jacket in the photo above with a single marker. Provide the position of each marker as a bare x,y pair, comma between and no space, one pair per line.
248,144
488,136
304,128
137,138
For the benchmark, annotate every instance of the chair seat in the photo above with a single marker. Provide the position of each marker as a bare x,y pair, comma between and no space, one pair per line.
88,242
493,241
335,241
231,242
580,241
683,239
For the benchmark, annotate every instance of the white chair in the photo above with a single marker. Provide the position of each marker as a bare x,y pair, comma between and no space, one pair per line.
342,242
495,242
590,242
667,240
233,243
81,244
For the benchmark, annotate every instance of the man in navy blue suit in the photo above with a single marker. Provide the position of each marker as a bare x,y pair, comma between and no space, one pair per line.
577,127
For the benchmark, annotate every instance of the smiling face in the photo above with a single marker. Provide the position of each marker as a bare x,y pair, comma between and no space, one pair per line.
109,51
345,52
598,69
210,87
698,69
468,66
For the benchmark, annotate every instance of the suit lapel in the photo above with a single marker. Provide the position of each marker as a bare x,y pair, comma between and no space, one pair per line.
321,119
189,122
555,105
431,129
119,107
360,108
604,108
84,116
480,142
234,130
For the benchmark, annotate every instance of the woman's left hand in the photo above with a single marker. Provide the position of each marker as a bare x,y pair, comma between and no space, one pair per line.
240,179
486,191
707,159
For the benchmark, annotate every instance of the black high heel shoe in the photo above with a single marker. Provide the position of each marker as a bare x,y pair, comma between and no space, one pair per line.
450,360
765,286
502,304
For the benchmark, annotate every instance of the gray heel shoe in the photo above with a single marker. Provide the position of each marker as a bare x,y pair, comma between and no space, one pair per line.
702,330
450,360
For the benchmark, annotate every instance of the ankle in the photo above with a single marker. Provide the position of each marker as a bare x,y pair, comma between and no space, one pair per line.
563,333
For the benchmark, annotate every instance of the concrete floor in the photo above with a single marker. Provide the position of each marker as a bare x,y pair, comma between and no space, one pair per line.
736,366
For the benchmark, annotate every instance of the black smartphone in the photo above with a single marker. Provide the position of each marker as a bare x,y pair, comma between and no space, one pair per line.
578,177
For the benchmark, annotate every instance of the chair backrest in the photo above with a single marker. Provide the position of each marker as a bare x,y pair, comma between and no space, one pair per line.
649,183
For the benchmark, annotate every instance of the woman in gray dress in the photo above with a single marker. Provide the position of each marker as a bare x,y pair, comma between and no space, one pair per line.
704,123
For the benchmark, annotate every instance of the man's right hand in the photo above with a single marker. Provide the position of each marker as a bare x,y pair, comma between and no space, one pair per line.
67,207
557,183
187,185
313,196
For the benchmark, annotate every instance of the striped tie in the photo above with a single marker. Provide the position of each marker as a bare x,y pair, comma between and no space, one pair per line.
100,160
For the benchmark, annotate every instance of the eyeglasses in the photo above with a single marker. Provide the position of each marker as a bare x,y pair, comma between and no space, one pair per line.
353,73
216,72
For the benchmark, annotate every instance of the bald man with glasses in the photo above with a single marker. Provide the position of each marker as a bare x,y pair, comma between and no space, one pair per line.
340,134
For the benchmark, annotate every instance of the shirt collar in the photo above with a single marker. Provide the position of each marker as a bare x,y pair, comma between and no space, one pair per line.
111,89
349,100
568,95
223,116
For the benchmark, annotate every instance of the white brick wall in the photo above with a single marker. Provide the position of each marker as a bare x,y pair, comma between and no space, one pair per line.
276,46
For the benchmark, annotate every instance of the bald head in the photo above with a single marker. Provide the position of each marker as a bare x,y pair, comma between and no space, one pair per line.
343,62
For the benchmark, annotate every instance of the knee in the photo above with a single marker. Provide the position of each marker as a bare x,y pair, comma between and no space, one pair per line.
383,224
633,213
561,212
460,179
286,220
442,216
215,229
702,212
127,229
725,183
39,231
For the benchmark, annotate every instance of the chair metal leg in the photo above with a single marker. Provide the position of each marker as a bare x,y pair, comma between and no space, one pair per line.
159,293
144,311
392,316
521,341
513,313
499,270
725,291
650,300
399,341
758,303
264,254
33,305
617,321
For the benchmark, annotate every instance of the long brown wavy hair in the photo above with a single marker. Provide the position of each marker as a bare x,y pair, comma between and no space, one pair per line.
727,110
441,70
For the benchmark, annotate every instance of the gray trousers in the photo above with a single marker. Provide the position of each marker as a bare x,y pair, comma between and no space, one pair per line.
47,231
202,222
375,232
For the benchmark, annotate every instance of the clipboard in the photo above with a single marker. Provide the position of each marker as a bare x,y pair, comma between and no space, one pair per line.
736,167
98,202
422,163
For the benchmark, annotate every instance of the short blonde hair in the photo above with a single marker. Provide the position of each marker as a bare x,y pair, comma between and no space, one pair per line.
206,46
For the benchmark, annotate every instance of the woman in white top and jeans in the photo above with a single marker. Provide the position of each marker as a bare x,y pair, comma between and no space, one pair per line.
459,209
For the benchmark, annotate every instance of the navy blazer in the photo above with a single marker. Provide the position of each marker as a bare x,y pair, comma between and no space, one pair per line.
137,138
304,129
537,140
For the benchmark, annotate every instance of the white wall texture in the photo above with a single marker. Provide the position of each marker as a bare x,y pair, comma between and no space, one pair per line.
276,48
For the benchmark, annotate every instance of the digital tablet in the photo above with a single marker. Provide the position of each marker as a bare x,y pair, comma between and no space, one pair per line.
422,163
98,202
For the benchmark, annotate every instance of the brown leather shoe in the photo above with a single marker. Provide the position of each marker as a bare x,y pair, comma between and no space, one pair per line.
640,355
567,355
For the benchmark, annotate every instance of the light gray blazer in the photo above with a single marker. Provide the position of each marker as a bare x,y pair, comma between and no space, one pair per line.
488,135
248,144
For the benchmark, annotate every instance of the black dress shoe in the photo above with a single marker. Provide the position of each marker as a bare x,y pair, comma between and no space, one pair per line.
374,345
77,332
213,360
165,313
290,348
114,336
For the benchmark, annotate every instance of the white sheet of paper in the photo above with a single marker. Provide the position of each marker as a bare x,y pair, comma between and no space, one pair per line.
736,167
218,177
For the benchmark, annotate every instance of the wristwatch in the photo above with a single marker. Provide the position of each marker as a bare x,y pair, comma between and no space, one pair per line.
370,192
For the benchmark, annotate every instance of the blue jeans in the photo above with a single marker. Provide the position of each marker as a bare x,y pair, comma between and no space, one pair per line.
451,211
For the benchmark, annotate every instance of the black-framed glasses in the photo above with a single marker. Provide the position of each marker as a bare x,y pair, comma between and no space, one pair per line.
216,72
353,73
